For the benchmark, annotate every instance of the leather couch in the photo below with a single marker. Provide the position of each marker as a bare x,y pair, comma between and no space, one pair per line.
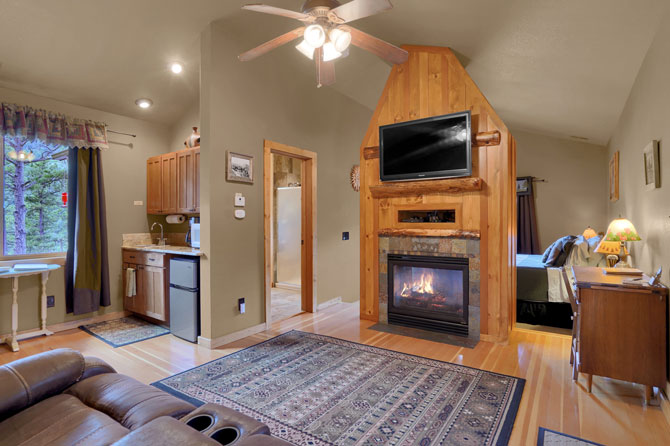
63,398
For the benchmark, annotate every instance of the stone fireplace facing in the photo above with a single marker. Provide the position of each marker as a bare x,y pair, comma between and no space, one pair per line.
430,283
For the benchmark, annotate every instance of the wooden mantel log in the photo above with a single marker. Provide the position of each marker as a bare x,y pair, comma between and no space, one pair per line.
451,233
406,188
478,139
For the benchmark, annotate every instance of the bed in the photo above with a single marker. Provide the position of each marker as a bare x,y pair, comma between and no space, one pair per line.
542,298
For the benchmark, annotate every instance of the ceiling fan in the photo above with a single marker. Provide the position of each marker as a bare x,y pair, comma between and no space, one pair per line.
325,35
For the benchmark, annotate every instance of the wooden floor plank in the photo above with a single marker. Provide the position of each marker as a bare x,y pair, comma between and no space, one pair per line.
614,414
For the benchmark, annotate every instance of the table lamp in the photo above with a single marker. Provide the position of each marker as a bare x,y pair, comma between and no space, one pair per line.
613,245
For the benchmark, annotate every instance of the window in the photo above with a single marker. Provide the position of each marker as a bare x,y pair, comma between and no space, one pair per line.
34,181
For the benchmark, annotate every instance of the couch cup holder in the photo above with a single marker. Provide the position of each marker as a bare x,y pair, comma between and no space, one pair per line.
226,435
201,422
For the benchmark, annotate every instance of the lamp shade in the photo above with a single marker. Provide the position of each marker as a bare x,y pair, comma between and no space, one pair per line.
621,230
611,248
589,233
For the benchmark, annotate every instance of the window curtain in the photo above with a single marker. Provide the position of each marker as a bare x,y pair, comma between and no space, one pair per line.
87,264
527,238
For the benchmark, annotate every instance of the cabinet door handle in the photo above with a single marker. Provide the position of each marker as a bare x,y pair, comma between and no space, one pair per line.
152,259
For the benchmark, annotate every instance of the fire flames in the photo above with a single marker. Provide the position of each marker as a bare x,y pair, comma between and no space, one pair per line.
422,286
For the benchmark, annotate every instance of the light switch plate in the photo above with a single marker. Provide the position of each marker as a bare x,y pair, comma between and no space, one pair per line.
239,200
138,203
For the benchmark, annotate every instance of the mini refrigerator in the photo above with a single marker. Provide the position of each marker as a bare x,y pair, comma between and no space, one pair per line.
185,298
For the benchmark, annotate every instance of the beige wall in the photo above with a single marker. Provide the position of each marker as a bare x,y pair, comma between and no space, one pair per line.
242,104
124,171
575,194
646,117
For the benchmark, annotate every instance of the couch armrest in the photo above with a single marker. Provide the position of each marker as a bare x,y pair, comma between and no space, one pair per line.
95,366
165,431
27,381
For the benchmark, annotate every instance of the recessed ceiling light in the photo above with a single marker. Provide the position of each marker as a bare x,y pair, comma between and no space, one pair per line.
144,103
176,68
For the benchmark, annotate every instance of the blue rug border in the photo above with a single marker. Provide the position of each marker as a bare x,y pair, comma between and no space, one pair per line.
505,430
542,430
83,328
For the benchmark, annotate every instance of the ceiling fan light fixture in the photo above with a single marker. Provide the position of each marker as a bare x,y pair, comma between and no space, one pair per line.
306,49
329,52
315,35
340,38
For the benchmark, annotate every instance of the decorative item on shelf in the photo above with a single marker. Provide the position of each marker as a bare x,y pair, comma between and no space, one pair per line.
613,244
355,177
652,174
589,232
240,168
193,140
614,177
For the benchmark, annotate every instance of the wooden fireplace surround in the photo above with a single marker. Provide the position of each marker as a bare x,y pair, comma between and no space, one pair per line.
431,83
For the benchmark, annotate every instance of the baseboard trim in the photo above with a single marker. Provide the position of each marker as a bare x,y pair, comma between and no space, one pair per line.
232,337
329,303
69,325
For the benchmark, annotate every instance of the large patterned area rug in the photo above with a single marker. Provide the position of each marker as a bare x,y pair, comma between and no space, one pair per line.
124,331
547,437
317,390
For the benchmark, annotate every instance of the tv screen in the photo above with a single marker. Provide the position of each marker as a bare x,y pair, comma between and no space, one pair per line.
437,147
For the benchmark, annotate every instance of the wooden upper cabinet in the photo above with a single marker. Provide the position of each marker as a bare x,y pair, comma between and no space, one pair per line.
196,159
169,183
173,183
186,181
154,185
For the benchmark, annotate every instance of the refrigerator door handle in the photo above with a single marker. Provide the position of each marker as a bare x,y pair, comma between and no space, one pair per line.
183,288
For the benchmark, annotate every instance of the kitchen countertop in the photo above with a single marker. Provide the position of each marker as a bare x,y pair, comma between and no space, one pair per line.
167,249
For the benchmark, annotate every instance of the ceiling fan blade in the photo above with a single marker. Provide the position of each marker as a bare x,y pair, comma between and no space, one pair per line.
272,44
377,46
325,71
279,11
358,9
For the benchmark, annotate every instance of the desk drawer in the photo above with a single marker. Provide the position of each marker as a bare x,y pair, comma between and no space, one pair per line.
144,258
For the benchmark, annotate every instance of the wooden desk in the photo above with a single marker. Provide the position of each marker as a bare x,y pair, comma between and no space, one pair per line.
13,339
622,333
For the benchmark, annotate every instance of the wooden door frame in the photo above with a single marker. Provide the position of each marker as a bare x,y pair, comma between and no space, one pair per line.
308,222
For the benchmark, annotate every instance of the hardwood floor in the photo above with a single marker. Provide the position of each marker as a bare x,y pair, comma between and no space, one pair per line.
285,303
614,414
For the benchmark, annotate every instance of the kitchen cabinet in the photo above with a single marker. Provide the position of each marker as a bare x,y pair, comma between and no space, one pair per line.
188,181
150,297
169,183
173,183
154,185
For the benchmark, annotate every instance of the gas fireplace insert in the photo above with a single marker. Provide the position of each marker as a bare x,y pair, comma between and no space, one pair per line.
431,293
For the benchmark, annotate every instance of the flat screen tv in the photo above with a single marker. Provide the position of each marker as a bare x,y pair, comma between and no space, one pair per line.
437,147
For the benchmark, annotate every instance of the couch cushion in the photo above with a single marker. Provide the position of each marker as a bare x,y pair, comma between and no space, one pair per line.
127,400
60,420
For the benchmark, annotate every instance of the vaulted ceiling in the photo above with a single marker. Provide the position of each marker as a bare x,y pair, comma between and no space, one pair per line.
563,68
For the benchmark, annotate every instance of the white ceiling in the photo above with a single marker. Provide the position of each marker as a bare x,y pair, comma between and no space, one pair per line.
554,67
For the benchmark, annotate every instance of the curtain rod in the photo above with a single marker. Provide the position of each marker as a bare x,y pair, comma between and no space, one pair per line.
122,133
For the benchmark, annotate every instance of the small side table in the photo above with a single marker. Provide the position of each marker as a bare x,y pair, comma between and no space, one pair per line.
13,339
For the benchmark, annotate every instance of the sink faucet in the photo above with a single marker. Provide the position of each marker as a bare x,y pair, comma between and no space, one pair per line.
161,241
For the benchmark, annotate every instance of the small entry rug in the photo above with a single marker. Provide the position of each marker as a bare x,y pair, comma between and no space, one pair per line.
547,437
124,331
317,390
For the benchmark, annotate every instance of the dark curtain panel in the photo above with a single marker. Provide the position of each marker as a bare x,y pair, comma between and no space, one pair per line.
527,239
87,265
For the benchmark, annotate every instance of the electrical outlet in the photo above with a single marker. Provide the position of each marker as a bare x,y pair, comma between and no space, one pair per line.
345,236
51,301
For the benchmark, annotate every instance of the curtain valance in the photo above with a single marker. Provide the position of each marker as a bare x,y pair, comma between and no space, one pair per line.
50,127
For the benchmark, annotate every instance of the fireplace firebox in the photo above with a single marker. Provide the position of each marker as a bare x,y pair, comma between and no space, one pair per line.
430,293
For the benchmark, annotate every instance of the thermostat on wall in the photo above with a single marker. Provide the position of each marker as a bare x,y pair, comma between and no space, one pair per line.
240,213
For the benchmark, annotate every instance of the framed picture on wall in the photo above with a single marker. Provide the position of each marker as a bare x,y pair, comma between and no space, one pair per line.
614,177
652,171
523,185
240,168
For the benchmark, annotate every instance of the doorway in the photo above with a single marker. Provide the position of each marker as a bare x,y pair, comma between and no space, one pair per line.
290,230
